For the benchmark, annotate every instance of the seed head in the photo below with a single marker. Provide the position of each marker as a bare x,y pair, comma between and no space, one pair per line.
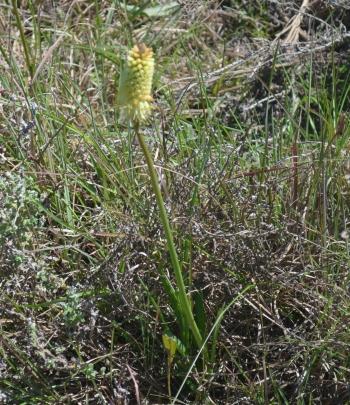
135,84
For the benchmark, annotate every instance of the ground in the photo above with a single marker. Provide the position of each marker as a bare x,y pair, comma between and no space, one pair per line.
250,138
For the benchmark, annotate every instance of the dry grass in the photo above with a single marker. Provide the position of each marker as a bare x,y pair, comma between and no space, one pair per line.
251,141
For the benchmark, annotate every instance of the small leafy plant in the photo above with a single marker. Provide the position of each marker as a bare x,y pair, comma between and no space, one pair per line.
19,216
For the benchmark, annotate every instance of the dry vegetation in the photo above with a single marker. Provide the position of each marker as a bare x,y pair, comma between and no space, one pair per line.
251,139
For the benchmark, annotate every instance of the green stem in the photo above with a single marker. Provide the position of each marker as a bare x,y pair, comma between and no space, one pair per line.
23,38
171,245
169,378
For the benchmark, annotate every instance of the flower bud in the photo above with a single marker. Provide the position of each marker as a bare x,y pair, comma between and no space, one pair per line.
135,84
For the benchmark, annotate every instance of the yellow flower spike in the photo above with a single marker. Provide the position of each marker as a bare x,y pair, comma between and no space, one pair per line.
135,84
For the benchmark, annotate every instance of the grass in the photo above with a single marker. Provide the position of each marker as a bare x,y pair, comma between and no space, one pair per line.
253,167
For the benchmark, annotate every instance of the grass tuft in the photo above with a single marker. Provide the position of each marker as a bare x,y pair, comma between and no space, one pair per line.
250,146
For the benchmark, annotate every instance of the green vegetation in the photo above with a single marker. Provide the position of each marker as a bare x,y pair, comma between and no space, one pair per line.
243,295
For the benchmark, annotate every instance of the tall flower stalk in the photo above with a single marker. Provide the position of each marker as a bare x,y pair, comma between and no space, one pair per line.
135,102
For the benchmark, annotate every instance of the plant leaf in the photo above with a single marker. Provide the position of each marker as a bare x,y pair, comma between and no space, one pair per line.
170,345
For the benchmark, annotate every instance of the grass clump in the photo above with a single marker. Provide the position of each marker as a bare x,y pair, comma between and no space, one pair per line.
238,290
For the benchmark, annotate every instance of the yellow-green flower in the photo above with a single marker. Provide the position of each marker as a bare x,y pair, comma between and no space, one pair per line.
135,84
